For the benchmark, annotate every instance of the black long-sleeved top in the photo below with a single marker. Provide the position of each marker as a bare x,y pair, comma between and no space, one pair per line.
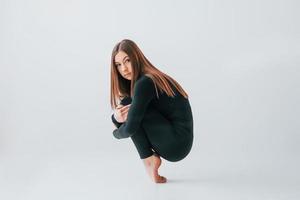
176,109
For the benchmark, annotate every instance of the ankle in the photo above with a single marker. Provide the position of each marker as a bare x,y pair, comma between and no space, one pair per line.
148,160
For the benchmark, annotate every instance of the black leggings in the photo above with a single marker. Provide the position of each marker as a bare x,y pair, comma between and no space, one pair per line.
157,134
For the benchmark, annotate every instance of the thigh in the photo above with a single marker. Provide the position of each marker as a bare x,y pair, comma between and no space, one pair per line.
142,143
163,137
157,127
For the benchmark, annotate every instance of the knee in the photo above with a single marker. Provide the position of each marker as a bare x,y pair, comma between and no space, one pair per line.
175,158
178,154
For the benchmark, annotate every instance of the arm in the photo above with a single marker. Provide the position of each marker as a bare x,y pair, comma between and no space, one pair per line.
125,101
144,92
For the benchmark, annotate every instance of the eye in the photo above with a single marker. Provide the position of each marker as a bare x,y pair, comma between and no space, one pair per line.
127,60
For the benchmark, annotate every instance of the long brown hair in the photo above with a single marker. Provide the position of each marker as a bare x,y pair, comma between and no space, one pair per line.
121,87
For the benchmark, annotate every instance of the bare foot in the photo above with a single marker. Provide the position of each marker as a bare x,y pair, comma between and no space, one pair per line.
152,164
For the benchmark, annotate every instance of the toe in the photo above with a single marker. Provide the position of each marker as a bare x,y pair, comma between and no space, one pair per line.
163,179
160,179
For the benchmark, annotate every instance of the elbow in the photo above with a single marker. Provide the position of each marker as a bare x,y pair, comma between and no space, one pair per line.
116,134
121,135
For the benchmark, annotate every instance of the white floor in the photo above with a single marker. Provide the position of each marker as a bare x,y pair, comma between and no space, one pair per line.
98,176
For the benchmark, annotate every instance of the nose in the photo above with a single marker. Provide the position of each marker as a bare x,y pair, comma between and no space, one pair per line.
123,68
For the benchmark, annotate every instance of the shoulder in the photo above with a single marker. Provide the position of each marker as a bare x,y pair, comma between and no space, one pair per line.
144,84
144,80
145,77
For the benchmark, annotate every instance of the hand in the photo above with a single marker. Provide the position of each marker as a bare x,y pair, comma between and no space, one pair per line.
121,113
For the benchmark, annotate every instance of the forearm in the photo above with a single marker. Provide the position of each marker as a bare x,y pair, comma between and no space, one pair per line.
144,92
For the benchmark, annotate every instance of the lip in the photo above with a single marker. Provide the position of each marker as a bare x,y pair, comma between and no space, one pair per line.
127,74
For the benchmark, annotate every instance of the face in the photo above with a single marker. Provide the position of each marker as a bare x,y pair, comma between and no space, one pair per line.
123,65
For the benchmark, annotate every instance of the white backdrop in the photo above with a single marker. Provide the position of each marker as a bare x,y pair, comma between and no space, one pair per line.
238,60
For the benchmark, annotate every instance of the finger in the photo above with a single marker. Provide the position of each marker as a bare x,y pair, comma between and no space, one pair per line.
119,106
125,107
125,111
125,117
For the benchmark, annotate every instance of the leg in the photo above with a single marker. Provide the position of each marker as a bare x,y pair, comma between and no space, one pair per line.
139,139
172,142
142,144
151,161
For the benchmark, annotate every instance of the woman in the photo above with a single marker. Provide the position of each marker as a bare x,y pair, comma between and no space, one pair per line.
150,107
